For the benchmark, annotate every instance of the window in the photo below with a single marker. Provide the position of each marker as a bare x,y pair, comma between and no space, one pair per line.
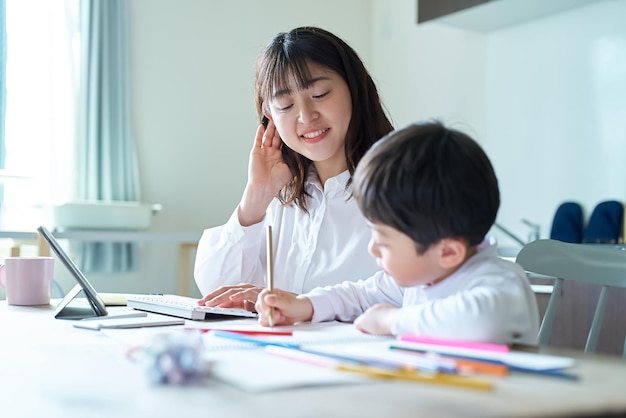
41,80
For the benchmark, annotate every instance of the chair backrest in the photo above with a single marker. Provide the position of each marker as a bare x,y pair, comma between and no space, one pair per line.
605,223
567,224
602,265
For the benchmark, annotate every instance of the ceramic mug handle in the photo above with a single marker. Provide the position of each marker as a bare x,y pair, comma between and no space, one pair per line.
3,281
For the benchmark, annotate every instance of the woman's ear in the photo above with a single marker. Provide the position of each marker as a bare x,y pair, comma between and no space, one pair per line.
452,253
267,113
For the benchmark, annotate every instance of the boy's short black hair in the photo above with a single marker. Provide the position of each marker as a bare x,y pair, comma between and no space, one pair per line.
429,182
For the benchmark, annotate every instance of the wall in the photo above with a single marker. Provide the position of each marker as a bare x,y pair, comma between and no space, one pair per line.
429,70
545,98
556,106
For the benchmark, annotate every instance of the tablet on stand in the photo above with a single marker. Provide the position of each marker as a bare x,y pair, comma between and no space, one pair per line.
95,306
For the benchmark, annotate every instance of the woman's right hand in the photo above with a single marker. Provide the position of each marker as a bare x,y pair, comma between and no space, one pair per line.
267,174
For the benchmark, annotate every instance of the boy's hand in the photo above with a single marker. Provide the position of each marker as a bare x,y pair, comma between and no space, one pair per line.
288,308
241,296
377,320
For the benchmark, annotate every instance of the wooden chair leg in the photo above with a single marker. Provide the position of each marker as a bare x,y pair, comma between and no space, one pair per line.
43,248
184,274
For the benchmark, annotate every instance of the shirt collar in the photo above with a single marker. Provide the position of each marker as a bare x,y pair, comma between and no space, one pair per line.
333,184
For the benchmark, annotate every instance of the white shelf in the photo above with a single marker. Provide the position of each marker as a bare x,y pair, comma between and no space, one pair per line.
498,14
109,236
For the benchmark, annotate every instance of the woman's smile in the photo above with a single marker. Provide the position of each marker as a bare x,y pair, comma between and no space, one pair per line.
314,137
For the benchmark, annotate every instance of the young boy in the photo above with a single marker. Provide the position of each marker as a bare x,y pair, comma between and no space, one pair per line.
430,196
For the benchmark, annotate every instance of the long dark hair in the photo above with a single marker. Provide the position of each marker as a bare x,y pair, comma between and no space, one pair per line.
285,58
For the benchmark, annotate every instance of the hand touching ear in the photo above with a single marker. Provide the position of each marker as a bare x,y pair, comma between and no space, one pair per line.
267,174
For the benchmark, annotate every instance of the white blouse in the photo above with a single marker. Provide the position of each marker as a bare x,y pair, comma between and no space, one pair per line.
325,246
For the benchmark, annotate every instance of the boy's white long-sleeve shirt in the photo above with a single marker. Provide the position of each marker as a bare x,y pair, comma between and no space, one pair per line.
324,247
487,299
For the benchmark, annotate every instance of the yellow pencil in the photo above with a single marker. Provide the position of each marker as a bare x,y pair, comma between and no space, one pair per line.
270,270
417,376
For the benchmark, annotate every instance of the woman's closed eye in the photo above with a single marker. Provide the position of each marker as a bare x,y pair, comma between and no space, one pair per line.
321,96
284,108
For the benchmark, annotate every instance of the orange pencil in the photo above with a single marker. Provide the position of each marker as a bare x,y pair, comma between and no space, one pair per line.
482,367
463,365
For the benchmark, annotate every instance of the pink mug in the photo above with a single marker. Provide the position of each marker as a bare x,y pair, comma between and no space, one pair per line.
27,280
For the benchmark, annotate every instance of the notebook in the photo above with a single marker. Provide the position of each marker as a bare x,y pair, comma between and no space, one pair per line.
183,307
149,320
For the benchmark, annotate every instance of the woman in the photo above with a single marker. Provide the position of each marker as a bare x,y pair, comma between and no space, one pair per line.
322,113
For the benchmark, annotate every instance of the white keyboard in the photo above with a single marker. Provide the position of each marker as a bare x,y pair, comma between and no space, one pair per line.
183,307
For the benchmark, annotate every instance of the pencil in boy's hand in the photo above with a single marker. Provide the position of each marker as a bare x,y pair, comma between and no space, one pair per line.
270,270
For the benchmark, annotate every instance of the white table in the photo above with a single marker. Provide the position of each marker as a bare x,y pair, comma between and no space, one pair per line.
50,369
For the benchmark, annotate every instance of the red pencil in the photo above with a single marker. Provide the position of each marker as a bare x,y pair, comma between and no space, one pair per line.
244,331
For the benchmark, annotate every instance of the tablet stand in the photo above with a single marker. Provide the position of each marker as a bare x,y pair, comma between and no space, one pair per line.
86,310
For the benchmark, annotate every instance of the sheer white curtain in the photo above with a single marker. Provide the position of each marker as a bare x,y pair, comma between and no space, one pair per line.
68,128
3,60
41,80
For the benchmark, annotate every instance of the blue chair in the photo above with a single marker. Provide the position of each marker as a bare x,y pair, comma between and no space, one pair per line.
567,225
605,223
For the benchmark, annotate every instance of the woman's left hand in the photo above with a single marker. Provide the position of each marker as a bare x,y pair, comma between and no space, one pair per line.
241,296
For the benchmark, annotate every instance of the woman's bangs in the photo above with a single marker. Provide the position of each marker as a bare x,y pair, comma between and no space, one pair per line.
287,68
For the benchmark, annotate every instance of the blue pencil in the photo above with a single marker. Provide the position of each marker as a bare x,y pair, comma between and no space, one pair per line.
253,340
